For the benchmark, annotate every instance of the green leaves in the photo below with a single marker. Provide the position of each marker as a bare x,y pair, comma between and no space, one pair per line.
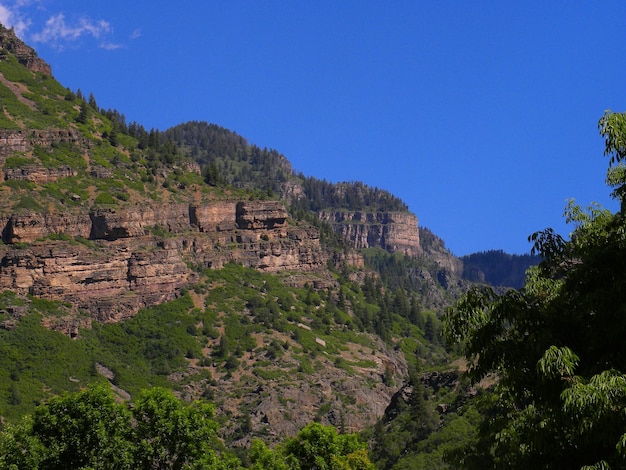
612,127
319,447
171,434
556,345
91,429
558,363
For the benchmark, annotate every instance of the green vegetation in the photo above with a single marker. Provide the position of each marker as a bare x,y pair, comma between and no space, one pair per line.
556,345
90,429
106,397
228,159
96,148
496,268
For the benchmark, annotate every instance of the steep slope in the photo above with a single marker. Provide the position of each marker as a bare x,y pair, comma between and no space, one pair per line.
109,216
236,281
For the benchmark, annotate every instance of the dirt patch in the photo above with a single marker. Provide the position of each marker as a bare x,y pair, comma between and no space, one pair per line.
17,89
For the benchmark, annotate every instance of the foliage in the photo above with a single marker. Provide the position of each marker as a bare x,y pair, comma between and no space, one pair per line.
114,162
148,347
139,161
90,429
35,361
556,346
497,268
318,447
228,159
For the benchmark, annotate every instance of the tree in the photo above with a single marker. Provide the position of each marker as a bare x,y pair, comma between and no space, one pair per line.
83,115
556,345
92,102
171,434
87,428
212,175
319,447
90,430
263,458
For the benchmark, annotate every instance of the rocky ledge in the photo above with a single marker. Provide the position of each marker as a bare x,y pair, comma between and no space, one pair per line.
113,262
393,231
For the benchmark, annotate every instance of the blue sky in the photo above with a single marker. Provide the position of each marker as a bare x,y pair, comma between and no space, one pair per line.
482,116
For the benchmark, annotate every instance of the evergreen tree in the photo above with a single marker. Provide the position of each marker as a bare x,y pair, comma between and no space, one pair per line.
83,115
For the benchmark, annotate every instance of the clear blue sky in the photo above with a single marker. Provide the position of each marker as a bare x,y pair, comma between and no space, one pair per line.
482,116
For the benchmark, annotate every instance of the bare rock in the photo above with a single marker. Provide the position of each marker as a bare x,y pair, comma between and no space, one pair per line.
395,232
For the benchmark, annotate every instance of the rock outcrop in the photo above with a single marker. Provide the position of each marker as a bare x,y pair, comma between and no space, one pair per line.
38,173
392,231
141,255
22,141
25,54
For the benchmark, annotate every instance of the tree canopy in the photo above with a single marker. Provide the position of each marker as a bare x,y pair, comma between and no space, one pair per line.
556,346
92,430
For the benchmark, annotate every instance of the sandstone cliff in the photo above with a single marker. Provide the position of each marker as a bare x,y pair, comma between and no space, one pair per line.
392,231
142,255
26,55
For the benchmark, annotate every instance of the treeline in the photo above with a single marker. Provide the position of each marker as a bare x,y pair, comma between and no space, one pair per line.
228,159
92,429
497,268
158,147
356,196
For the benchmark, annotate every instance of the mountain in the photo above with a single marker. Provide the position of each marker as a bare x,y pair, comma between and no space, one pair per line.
194,260
497,268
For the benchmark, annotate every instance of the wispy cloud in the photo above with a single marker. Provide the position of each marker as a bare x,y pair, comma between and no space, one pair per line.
11,18
58,31
135,34
110,46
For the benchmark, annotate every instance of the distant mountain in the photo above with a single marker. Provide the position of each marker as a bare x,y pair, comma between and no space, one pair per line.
498,268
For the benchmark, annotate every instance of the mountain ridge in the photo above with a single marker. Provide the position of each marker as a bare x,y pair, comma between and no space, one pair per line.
192,259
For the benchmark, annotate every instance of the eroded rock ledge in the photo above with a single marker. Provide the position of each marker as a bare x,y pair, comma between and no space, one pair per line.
393,231
113,262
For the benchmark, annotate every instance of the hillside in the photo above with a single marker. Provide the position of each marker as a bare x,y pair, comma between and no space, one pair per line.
196,261
498,268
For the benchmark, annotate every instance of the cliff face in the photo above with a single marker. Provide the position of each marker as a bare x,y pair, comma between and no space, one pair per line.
392,231
25,54
139,256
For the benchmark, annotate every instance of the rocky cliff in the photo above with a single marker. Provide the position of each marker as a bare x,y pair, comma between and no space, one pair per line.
113,262
392,231
26,55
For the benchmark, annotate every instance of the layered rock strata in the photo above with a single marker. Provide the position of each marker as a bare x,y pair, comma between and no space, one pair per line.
25,54
137,256
392,231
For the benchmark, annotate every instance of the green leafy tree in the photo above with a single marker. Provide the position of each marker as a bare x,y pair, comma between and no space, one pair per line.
90,430
171,434
264,458
556,345
84,429
319,447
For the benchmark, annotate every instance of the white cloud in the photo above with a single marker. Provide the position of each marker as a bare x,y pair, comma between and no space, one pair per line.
57,30
110,46
11,18
5,15
135,34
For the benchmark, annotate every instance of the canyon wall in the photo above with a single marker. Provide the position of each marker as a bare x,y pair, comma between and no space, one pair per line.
392,231
113,262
